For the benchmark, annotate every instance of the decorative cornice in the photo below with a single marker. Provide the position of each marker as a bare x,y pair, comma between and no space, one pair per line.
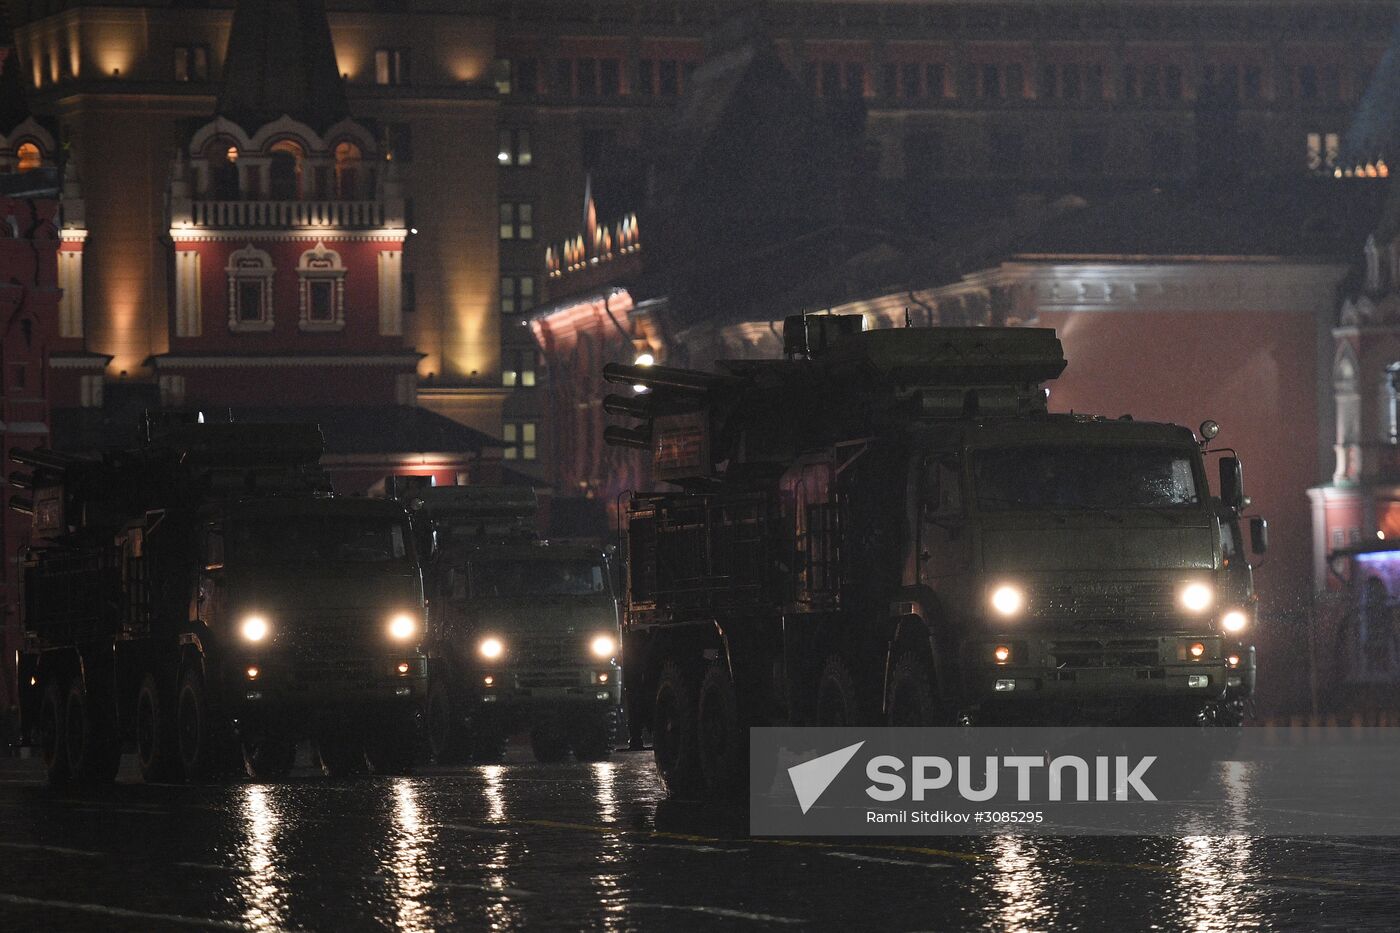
176,361
309,234
94,361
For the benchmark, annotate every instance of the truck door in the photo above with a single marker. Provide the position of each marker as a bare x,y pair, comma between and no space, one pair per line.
208,591
943,546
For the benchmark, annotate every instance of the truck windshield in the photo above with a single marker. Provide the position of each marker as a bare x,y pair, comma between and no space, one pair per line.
514,578
1083,477
319,538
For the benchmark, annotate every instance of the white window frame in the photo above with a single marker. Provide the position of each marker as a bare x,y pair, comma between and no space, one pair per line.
246,265
517,220
321,266
517,293
514,147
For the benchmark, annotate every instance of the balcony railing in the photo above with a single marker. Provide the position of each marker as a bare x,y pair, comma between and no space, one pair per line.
284,214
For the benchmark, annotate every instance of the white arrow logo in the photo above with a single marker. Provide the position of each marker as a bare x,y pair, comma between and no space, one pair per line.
811,778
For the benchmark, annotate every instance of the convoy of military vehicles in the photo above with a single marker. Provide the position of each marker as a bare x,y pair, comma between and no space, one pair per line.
884,527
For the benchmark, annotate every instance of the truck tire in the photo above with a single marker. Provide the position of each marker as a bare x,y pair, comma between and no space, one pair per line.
549,743
50,735
592,739
721,743
447,742
836,694
674,723
197,735
268,759
911,699
90,741
156,752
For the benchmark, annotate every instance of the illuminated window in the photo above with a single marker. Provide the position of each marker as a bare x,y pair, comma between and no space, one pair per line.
519,437
517,293
514,148
501,74
391,66
517,221
191,63
518,369
28,156
1323,149
347,171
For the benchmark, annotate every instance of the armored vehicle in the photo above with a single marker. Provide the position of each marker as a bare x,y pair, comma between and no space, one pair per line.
204,597
890,527
523,632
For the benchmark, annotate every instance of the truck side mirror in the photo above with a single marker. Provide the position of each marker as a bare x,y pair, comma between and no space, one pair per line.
1231,483
1258,535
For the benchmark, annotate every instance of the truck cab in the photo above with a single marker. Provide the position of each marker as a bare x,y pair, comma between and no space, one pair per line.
524,635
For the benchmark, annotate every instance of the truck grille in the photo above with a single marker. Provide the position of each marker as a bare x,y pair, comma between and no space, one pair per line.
1116,652
526,680
1103,602
546,649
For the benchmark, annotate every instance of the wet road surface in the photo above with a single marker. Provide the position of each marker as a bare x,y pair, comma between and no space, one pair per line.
595,846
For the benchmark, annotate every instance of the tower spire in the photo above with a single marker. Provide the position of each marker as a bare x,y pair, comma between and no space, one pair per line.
281,61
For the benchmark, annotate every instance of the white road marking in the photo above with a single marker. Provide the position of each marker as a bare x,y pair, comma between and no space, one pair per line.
106,911
857,857
58,850
715,912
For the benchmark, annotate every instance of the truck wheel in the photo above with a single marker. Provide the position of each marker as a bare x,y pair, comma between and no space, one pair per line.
94,751
155,735
674,722
52,747
911,698
549,743
836,694
268,759
446,743
721,745
197,736
592,739
340,756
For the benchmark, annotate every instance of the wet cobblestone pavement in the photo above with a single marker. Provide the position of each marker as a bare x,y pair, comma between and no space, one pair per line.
596,846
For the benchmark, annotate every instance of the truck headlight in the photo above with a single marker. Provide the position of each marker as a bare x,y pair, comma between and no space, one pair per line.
1196,597
403,626
491,648
254,628
1008,600
1234,621
603,646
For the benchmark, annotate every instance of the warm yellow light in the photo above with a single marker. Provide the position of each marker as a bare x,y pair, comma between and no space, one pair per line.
1234,621
403,626
254,628
491,648
253,673
645,359
1197,597
1008,600
1197,649
603,646
403,667
1233,660
1002,653
488,680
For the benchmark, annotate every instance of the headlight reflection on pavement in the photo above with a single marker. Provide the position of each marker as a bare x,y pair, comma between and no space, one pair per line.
409,867
263,887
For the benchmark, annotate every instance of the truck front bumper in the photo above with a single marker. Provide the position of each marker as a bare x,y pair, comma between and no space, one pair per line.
1015,667
286,686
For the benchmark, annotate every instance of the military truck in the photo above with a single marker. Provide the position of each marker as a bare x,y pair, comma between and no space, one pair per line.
204,597
523,633
890,527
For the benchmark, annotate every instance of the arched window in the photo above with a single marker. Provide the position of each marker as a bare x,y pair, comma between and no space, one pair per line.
29,157
321,277
347,171
285,182
223,171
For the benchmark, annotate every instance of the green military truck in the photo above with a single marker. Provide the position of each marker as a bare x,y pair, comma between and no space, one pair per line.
889,527
205,598
523,633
